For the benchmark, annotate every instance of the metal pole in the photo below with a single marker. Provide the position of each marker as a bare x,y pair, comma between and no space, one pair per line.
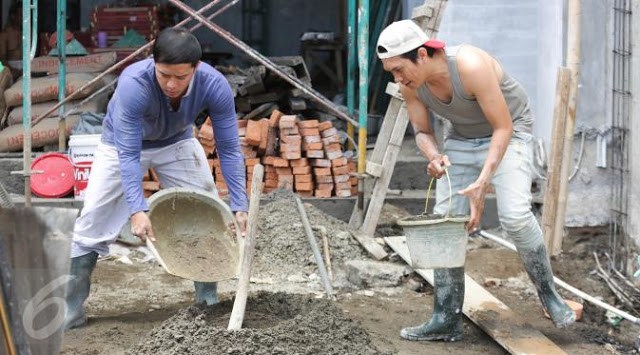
129,57
62,72
26,99
310,92
351,65
565,285
314,247
363,90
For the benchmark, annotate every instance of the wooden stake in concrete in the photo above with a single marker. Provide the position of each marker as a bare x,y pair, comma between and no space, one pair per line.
240,302
573,63
550,205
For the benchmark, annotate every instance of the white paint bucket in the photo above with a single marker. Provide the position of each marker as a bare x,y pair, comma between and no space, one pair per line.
82,148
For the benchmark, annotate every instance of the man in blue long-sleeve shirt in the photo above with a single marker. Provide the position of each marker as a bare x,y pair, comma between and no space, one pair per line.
149,122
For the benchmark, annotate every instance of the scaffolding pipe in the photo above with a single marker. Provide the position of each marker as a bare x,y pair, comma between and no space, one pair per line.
27,8
565,285
351,65
129,57
311,93
62,72
363,91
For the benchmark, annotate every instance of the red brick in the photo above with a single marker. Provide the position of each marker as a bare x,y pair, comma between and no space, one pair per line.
341,179
242,123
304,186
354,190
321,171
324,179
272,136
295,139
254,133
271,183
303,178
333,147
322,193
291,155
299,162
308,124
271,175
342,161
294,131
288,121
343,186
280,162
312,139
268,160
320,163
315,154
274,120
352,165
300,170
284,171
251,161
325,125
269,168
264,132
305,194
249,152
312,146
309,132
329,132
250,170
267,190
285,182
331,139
353,180
340,170
290,148
343,193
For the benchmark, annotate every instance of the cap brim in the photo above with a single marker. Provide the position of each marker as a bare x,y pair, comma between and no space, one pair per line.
434,43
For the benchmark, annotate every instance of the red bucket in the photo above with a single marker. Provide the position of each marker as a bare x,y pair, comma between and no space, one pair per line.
55,178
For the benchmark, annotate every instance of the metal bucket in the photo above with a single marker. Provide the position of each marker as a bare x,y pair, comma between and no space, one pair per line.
193,239
436,241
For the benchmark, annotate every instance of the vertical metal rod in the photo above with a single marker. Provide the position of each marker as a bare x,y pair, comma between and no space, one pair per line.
26,99
62,72
363,90
351,65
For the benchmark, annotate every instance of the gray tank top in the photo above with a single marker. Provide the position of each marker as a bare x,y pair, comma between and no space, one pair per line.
464,112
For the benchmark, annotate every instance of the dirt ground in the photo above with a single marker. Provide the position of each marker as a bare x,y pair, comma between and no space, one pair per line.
136,308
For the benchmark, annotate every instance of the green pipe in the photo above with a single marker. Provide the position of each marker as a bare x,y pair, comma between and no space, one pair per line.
62,72
363,89
351,64
26,99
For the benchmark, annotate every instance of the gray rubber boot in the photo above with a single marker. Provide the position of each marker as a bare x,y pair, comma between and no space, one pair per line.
538,267
78,289
446,321
206,292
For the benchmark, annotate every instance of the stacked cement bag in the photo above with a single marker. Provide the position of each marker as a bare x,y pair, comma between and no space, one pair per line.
44,95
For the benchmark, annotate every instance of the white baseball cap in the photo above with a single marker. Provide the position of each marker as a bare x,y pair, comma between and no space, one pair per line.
401,37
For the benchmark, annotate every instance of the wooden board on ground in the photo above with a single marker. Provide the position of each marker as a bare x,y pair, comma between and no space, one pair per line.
489,313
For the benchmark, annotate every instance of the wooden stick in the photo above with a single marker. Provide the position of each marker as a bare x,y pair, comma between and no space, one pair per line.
240,303
9,346
325,247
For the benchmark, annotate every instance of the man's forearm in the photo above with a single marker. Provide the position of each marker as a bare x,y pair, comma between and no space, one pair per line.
427,144
497,148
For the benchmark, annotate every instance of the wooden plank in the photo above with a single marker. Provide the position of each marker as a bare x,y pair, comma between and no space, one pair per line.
376,250
550,205
382,139
382,184
489,313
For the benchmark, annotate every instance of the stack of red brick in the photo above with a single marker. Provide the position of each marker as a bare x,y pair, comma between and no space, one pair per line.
304,156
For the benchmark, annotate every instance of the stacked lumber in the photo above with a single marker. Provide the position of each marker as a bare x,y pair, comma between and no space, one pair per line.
258,92
304,156
116,21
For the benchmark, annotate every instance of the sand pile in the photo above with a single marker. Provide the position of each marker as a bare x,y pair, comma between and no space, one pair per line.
274,324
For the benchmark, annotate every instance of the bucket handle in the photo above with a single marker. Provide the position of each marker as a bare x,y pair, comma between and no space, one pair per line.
426,204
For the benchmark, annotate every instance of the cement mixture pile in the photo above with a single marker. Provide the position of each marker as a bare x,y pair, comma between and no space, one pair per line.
275,323
282,247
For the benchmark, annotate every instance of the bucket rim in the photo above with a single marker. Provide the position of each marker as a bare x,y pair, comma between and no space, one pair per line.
406,221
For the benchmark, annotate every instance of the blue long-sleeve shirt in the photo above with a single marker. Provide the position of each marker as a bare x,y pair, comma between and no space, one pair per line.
139,116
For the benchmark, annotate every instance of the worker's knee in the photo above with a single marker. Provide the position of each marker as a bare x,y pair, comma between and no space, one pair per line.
523,230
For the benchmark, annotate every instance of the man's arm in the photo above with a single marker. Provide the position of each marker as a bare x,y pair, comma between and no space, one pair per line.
481,79
424,135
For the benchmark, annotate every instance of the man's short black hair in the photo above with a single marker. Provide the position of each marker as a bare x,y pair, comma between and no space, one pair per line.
177,46
412,55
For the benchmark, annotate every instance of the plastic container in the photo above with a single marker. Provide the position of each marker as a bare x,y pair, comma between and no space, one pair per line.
436,241
56,179
102,39
82,148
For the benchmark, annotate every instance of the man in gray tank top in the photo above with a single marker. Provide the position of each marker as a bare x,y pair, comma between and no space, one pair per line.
489,143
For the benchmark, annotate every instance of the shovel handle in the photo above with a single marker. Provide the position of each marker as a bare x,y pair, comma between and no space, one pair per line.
240,302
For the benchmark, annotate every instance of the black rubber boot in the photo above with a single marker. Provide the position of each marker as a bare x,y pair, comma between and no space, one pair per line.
446,321
206,292
78,289
538,267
